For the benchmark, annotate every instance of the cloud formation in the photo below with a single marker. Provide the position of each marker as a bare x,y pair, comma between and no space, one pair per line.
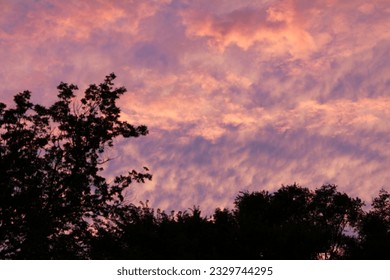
236,94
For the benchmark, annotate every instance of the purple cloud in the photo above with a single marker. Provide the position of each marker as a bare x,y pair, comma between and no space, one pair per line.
236,94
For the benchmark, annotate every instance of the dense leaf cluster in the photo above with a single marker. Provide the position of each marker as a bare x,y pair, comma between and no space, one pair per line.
55,204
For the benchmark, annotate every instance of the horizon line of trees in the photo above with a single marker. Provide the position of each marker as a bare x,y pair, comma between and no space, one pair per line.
293,223
54,203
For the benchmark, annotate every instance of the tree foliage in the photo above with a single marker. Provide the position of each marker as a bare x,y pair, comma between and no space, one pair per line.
56,204
296,223
51,190
375,229
291,223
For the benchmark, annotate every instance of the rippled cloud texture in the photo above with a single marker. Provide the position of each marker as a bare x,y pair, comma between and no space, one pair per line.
237,94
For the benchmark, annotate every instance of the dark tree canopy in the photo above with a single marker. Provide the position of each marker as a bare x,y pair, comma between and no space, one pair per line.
55,204
291,223
296,223
375,229
51,191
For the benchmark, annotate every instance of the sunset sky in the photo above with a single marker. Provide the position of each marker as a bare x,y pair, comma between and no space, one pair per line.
237,95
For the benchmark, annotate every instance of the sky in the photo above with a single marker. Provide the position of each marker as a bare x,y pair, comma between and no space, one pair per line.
237,95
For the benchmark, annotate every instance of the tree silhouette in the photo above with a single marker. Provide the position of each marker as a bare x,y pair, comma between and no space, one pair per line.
335,214
142,233
290,223
296,223
51,193
55,204
375,229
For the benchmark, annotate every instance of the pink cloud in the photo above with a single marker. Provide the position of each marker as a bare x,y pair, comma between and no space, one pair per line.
273,29
237,94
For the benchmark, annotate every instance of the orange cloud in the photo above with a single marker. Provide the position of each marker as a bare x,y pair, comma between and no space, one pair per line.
273,29
237,94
